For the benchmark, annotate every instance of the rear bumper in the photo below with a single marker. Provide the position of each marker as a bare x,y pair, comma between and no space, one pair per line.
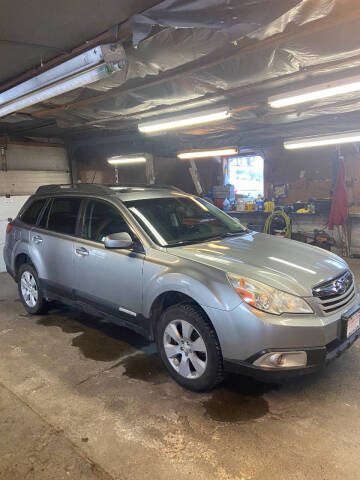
318,358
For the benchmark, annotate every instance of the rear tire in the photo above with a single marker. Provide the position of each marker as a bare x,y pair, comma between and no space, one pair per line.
30,290
189,347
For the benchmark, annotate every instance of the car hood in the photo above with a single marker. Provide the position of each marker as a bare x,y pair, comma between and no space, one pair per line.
288,265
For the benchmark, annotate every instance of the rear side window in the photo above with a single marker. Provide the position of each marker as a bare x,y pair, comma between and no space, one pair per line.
63,215
32,213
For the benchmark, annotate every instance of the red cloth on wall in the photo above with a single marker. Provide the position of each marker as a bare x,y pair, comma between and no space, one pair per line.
339,204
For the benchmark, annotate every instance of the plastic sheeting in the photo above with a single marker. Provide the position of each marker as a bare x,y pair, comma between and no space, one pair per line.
177,44
177,34
235,19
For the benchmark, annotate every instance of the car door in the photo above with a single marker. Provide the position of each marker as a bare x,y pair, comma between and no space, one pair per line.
109,279
52,244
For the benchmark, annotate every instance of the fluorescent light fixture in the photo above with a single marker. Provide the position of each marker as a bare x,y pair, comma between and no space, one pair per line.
84,69
54,90
217,152
75,65
185,120
308,142
126,159
316,92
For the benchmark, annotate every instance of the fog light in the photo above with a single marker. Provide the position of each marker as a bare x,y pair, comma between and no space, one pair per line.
276,359
294,359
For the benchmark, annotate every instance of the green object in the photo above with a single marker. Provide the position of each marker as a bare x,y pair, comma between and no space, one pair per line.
278,213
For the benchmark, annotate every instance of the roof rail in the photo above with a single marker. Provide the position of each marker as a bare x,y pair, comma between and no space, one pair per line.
156,186
78,187
97,188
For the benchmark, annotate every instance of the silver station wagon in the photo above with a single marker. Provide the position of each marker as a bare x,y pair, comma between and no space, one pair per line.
215,296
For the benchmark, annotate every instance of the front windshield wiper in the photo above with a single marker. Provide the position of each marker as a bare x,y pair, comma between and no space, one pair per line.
188,242
234,234
206,239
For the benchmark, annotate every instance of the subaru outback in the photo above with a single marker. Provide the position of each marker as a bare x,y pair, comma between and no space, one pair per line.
215,296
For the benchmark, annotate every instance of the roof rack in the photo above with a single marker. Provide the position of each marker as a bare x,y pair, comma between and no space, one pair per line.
155,186
78,187
97,188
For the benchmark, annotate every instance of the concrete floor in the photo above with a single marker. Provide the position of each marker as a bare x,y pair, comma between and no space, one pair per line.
83,399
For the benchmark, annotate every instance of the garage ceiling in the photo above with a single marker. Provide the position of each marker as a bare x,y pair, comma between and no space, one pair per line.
184,54
38,30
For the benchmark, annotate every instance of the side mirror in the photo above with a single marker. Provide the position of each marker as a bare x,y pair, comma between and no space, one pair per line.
118,240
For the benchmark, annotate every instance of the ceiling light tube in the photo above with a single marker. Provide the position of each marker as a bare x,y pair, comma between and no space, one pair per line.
63,86
82,70
308,142
77,64
316,92
126,159
185,120
217,152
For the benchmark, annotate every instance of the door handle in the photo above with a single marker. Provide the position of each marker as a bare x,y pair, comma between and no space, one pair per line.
37,239
82,252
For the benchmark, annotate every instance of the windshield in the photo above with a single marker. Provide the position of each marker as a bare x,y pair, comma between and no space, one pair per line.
182,220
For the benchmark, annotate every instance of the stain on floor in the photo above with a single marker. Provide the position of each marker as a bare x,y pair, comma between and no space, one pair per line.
227,406
145,367
98,340
238,400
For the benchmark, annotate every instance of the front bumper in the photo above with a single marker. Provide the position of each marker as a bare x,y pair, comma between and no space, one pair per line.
318,358
246,334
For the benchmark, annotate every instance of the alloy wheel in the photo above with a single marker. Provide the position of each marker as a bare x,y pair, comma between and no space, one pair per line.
29,289
185,349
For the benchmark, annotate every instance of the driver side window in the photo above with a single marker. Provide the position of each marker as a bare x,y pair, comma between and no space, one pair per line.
102,219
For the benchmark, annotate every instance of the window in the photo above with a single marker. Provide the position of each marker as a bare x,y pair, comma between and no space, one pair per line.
183,219
45,216
30,215
247,175
63,215
102,219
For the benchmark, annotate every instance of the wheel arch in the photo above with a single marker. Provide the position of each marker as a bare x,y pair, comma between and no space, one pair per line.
19,260
168,299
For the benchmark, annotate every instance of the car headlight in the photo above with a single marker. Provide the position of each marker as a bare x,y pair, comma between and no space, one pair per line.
266,298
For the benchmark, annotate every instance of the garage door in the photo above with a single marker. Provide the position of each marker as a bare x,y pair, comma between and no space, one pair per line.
28,167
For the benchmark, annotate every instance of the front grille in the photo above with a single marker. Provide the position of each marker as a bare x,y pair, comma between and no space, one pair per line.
336,293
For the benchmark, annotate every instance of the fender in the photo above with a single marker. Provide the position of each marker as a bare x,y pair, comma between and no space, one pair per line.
207,288
21,247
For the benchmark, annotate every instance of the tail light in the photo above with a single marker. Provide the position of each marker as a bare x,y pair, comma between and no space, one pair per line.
9,228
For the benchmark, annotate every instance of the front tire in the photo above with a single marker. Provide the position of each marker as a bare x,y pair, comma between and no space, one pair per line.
30,290
189,347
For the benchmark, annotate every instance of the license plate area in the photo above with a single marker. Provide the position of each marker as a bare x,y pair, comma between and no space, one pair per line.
351,323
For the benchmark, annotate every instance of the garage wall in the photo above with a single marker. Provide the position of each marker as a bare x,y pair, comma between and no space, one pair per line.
92,167
28,167
308,173
9,208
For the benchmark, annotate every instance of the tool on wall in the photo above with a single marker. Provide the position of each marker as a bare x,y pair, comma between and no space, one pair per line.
3,148
150,171
195,177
